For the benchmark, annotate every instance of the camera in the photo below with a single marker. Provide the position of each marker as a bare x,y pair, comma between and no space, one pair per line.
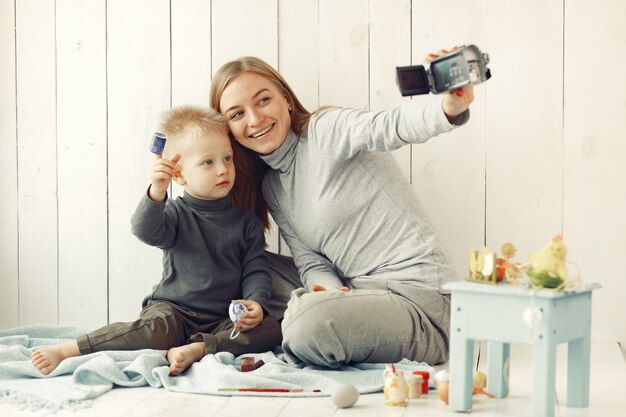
463,66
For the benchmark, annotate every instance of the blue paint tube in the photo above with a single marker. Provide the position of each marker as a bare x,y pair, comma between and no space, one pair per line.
158,143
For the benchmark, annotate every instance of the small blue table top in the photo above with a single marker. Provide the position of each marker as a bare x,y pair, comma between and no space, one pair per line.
505,288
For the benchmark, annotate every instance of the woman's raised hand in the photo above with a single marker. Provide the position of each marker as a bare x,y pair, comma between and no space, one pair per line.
457,101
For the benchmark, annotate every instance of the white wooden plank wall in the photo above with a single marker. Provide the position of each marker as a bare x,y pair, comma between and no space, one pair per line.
83,82
594,145
449,172
389,47
9,305
138,84
37,164
191,55
524,132
81,136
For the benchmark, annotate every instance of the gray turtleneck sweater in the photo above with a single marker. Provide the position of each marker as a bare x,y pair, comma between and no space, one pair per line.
213,252
344,207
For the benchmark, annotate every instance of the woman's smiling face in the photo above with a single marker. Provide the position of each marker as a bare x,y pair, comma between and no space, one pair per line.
257,112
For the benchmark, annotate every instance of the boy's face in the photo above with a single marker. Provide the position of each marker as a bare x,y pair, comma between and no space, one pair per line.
206,166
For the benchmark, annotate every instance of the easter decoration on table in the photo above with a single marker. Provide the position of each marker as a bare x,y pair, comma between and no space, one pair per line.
547,265
395,389
548,268
482,266
507,269
486,267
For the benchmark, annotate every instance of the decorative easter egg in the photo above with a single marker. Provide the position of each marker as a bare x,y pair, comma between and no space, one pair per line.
442,376
442,385
236,310
531,316
345,396
442,390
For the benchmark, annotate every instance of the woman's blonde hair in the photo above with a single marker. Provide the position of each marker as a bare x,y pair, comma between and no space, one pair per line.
250,168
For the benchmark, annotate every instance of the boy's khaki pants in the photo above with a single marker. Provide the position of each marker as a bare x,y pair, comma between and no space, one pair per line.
163,325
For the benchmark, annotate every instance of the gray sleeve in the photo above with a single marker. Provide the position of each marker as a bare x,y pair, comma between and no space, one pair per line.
343,132
155,223
256,281
314,268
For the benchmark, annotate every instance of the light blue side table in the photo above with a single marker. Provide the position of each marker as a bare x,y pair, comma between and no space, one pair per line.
494,313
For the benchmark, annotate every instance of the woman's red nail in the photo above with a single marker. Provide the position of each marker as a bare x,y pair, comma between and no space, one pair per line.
459,93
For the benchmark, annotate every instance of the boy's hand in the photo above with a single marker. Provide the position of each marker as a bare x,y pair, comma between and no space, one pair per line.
251,318
161,175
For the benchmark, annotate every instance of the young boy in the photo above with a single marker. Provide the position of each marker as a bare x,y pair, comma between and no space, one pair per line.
213,253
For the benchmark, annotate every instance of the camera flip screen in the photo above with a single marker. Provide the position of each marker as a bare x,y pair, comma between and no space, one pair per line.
412,80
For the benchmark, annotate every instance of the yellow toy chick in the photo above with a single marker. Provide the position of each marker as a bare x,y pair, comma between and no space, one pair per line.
547,265
395,389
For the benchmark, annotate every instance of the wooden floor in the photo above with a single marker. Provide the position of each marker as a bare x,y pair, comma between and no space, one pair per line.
608,398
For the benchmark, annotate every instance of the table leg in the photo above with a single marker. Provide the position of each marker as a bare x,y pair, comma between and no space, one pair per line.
461,364
497,375
544,375
578,357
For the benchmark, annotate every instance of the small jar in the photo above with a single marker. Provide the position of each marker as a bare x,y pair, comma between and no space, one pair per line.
415,385
425,376
246,363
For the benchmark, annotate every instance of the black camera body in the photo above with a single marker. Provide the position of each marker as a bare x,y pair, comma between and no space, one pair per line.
461,67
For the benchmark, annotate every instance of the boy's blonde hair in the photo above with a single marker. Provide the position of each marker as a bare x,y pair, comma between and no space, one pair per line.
184,122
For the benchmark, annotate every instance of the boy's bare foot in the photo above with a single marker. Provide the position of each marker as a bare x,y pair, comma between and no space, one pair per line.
46,359
182,357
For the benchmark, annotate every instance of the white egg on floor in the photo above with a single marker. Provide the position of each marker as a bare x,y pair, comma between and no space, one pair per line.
345,396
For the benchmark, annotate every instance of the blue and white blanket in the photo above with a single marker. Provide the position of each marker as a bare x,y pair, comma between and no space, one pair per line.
77,380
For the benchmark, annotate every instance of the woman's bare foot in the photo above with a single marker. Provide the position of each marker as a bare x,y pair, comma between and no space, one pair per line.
46,359
181,357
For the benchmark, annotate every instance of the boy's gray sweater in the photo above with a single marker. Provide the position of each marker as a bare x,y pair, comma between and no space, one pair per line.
345,208
213,252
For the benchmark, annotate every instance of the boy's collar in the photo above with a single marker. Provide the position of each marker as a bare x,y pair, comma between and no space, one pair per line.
219,204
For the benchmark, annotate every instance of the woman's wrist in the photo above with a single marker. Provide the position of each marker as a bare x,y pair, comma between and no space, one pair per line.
459,119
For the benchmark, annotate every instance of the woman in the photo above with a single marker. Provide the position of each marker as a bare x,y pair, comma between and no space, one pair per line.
370,263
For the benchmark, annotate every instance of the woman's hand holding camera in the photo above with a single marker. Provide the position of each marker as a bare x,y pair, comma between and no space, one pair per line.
454,102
